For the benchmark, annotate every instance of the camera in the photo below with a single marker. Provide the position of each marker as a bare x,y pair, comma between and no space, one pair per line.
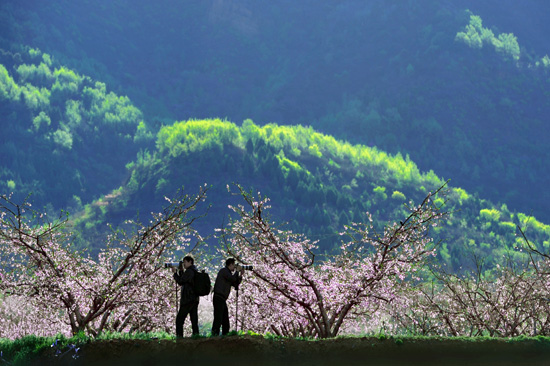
173,265
245,267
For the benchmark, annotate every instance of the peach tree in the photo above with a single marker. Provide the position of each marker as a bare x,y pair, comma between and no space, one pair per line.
59,288
292,292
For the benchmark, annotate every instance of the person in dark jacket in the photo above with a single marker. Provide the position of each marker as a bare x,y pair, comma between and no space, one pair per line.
227,277
189,301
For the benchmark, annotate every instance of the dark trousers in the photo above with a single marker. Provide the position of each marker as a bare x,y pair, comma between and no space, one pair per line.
221,316
185,309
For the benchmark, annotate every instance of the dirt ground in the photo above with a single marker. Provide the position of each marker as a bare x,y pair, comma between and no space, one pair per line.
256,350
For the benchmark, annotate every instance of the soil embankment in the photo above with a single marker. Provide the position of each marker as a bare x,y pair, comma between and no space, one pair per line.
256,350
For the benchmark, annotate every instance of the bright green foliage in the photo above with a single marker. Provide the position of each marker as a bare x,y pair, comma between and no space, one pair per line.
314,150
116,112
73,113
475,36
508,226
119,110
34,52
142,133
508,44
65,77
66,83
353,85
70,115
323,182
41,120
472,36
396,195
529,222
288,165
40,73
35,98
444,252
63,138
8,88
380,192
462,195
47,59
315,195
318,193
490,214
197,135
439,202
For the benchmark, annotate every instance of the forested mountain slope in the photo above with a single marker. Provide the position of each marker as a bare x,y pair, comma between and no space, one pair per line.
395,75
68,140
317,185
438,92
65,138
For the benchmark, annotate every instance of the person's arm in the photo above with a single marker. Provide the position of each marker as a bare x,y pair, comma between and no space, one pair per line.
233,278
183,277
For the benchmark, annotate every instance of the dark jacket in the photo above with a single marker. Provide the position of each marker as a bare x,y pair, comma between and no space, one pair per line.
186,280
224,281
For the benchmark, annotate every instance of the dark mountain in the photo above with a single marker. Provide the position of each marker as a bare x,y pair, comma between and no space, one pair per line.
316,185
459,87
384,74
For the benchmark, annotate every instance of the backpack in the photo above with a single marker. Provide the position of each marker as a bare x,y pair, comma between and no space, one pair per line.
201,284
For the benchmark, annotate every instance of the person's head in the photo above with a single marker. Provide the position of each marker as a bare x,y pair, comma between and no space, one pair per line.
188,261
230,263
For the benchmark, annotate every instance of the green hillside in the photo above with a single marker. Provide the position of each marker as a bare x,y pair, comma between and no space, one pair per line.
461,86
375,106
316,183
65,138
73,144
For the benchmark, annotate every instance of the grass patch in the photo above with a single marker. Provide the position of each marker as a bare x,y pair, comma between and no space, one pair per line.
21,351
133,336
